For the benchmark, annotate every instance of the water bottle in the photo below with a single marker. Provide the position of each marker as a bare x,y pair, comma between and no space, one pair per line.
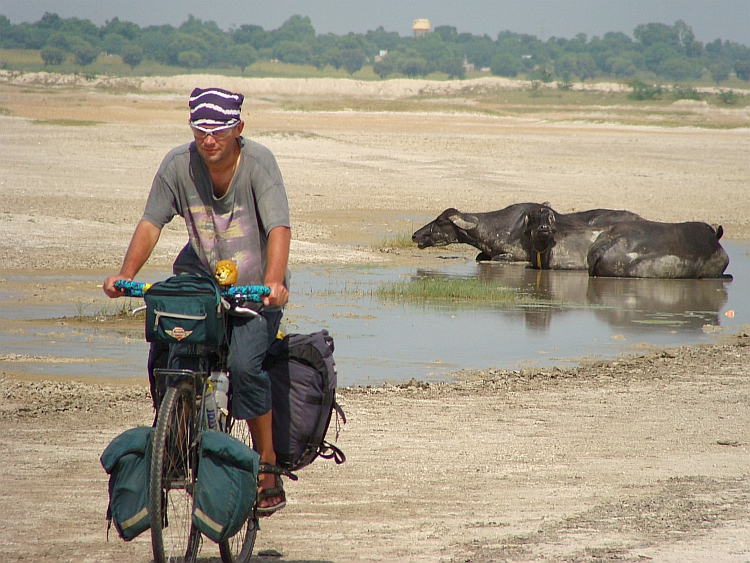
209,398
220,383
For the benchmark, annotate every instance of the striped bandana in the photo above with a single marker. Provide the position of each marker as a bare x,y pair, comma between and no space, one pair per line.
214,107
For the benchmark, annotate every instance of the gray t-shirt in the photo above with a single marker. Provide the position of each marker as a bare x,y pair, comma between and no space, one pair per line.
227,228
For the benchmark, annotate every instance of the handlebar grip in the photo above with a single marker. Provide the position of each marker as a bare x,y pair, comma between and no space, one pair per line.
253,293
245,293
132,288
247,290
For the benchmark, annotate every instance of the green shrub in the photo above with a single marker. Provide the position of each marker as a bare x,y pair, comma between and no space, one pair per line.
728,96
132,55
52,56
642,91
85,53
505,64
742,70
564,83
687,93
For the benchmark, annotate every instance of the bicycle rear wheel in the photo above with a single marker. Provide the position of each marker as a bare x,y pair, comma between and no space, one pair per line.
173,476
239,548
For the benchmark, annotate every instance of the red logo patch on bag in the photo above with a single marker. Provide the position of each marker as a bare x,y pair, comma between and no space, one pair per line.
178,333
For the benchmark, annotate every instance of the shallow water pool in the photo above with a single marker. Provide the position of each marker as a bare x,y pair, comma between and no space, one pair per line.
567,316
571,316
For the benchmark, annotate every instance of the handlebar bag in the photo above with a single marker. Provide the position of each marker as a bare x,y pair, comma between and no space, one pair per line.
184,308
127,461
227,485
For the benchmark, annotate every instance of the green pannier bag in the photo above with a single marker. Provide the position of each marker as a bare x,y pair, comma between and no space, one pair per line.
184,308
227,485
127,461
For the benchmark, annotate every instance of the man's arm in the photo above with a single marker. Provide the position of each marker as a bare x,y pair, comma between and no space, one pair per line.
141,246
277,257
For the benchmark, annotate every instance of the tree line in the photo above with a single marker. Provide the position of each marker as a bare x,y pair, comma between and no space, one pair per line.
668,52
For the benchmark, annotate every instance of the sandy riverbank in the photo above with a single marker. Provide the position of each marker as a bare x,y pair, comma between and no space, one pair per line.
638,459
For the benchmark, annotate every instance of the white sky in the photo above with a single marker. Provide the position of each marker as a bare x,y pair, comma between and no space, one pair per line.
710,19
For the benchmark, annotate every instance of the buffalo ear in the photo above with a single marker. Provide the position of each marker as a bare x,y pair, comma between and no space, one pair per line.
464,222
719,232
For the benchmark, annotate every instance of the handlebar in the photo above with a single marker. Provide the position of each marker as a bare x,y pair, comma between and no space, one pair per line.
239,293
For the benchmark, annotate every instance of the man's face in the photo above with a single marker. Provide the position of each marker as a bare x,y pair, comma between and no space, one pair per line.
218,147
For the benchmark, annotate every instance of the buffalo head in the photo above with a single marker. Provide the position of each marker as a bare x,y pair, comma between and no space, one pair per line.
448,228
540,228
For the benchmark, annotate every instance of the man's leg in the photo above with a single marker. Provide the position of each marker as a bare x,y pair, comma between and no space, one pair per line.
260,428
251,400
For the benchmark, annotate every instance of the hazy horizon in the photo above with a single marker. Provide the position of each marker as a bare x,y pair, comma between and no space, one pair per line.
709,19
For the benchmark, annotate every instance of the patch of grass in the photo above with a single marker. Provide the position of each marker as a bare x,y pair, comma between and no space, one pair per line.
446,289
81,308
397,241
122,309
265,68
15,57
414,104
67,122
554,105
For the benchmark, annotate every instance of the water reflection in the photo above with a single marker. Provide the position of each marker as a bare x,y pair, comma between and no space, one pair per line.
654,302
620,302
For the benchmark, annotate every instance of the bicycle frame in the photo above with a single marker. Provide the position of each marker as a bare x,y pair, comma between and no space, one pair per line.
182,415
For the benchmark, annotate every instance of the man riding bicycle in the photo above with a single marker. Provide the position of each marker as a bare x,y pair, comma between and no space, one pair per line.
230,192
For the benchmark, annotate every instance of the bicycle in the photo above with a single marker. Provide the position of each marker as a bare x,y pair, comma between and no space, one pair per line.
175,453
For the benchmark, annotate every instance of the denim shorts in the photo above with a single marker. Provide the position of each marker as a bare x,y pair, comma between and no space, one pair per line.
249,339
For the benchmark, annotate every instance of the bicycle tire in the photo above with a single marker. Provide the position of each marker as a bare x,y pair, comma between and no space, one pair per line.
173,477
239,548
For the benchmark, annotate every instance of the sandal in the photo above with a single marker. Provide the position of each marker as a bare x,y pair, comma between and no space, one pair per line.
276,491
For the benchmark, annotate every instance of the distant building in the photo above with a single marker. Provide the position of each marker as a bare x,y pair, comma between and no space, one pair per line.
420,27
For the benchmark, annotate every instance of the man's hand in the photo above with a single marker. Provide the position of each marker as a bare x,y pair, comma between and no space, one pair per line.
278,297
109,285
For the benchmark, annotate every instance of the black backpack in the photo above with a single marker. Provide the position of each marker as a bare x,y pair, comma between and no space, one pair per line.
303,390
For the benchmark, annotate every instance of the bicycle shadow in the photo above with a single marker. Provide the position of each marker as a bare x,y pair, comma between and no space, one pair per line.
263,559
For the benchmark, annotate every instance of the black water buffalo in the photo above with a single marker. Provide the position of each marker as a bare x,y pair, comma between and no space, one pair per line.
498,234
647,249
556,241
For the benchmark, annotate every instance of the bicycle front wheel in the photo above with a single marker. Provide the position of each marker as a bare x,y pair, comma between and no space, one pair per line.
239,548
173,476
